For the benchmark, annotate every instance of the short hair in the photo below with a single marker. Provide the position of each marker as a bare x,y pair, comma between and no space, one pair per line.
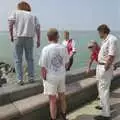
104,28
24,6
52,32
94,42
66,31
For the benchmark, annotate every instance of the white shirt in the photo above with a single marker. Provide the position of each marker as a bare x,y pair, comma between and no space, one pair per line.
65,42
53,58
109,47
25,24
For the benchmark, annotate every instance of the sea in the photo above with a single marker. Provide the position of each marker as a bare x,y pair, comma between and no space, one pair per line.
82,38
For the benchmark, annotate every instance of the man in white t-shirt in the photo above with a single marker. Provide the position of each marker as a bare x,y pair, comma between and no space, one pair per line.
53,60
70,45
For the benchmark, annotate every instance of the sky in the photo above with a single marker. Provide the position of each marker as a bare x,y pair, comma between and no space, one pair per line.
68,14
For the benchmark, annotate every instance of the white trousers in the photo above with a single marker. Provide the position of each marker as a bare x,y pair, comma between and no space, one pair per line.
104,81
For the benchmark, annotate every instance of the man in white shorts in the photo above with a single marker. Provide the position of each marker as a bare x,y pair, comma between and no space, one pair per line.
53,60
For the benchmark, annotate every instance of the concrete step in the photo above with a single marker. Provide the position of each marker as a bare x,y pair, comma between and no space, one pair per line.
36,107
27,107
14,92
88,112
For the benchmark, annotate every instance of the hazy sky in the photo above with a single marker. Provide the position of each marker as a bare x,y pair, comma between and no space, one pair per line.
68,14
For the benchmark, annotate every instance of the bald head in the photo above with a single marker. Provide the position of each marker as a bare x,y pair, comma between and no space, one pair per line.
53,34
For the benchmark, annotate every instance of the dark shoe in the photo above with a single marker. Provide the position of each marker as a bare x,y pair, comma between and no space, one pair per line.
31,81
20,82
102,118
98,107
63,116
98,98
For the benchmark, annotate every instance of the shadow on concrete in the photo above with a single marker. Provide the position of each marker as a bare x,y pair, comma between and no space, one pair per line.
115,95
74,86
85,117
116,111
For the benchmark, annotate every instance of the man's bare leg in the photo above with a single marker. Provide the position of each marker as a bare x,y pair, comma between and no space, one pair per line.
63,105
53,106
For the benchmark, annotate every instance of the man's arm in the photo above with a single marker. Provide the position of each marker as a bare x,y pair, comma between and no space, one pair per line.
37,28
43,73
38,36
66,59
11,22
89,65
43,64
109,62
11,30
73,46
111,54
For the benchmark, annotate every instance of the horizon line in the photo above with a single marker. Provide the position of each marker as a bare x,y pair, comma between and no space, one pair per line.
62,30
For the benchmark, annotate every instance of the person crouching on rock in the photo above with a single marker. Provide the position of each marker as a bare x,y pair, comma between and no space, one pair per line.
94,49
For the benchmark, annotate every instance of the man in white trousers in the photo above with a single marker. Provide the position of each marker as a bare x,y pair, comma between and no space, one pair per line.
104,72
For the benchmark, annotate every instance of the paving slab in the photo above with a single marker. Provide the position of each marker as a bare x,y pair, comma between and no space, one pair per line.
88,111
32,103
7,112
35,107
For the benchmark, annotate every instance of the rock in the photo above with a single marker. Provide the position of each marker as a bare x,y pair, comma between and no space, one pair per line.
3,81
5,69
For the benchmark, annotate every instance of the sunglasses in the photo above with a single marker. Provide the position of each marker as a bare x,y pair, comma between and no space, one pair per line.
90,47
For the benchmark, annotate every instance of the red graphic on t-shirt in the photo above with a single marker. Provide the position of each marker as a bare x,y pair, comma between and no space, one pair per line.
94,55
69,47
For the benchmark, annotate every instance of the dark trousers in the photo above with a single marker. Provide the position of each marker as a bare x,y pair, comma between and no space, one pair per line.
70,63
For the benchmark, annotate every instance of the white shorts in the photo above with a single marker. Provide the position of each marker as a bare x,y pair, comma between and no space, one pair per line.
54,84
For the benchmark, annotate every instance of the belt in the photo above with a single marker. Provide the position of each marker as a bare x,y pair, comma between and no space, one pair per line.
100,63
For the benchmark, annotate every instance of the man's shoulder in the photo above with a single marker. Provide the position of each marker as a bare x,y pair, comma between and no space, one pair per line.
45,48
113,37
22,12
64,42
61,46
71,39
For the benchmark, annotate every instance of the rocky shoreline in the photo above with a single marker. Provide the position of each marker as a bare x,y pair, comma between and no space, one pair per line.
8,76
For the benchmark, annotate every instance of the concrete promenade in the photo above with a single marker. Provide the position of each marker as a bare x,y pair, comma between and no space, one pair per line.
28,103
88,111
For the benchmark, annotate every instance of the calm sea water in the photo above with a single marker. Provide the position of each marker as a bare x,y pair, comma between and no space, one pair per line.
81,37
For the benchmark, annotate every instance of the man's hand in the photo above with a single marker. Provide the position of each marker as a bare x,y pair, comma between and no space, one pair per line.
107,67
12,39
109,62
38,44
73,54
43,73
88,71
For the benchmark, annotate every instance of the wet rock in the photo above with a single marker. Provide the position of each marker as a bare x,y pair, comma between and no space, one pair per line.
5,69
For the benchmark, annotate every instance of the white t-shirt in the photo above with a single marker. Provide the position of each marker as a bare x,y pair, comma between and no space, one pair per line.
25,24
53,58
109,47
65,42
